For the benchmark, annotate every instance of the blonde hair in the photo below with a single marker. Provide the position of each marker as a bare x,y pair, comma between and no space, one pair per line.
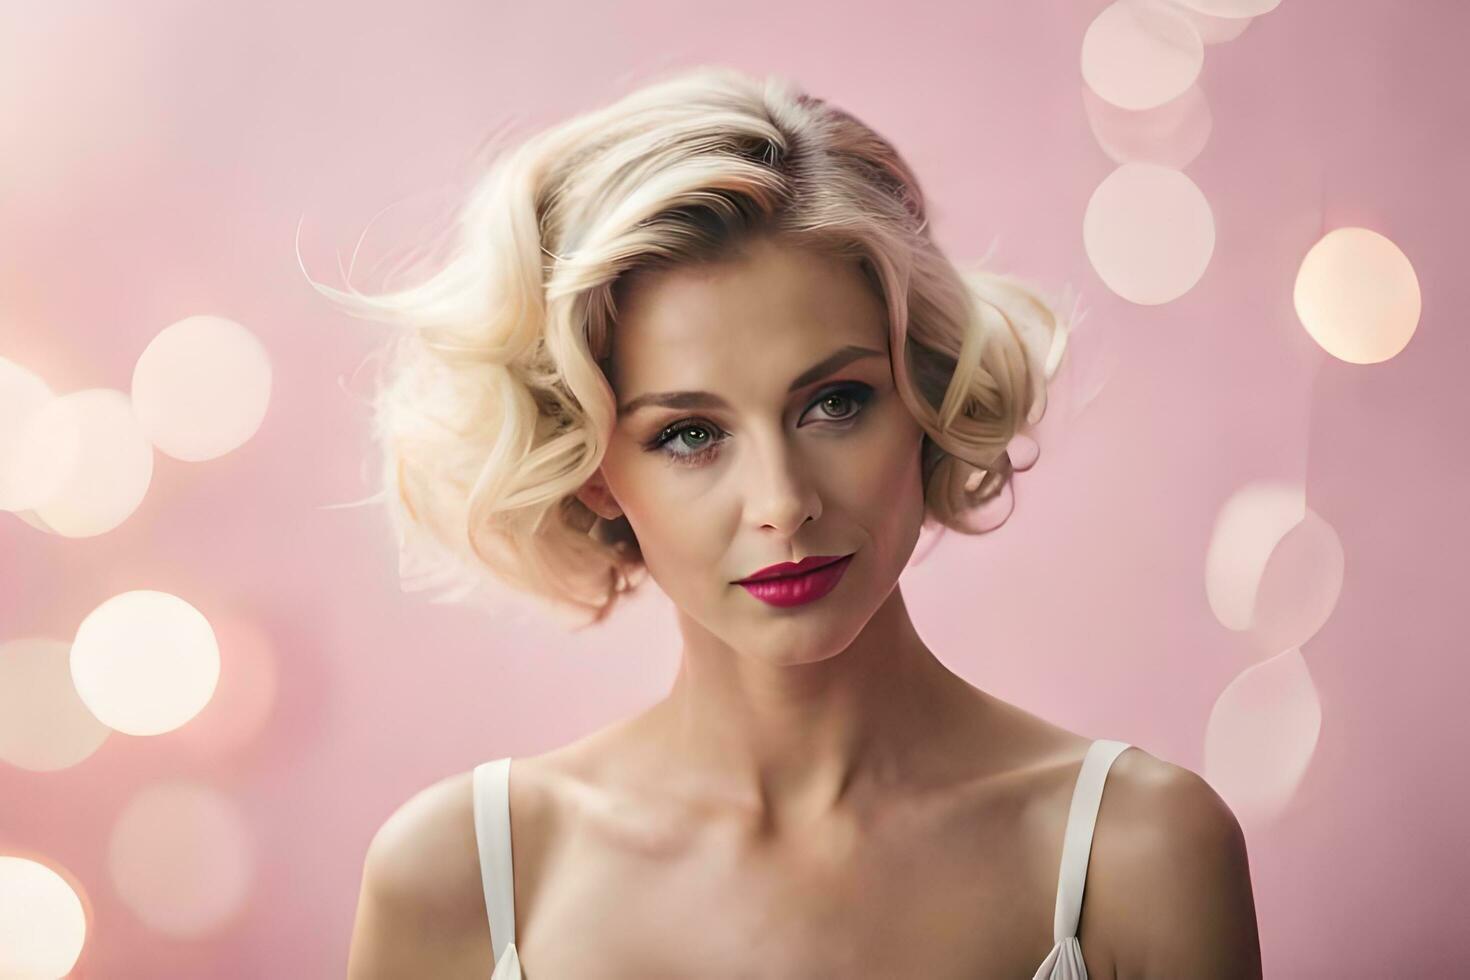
496,406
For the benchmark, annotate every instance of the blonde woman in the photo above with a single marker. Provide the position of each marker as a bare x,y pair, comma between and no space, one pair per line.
702,336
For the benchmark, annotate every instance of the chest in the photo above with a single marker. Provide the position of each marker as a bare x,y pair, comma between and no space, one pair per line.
935,894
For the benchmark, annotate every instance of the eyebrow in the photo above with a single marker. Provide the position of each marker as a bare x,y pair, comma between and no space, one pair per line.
704,399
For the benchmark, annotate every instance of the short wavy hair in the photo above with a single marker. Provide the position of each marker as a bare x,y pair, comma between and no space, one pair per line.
495,406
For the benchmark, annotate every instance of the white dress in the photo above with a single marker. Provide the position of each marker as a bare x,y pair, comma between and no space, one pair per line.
1064,962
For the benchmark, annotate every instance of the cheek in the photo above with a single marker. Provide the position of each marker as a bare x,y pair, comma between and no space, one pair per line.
880,472
675,549
677,532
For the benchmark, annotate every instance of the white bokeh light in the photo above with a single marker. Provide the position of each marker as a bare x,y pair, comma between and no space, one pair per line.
29,516
1149,233
44,725
1171,135
113,466
1230,9
1211,28
1261,736
43,925
201,387
246,693
1299,586
22,393
145,662
1247,529
38,448
1357,296
181,858
1138,56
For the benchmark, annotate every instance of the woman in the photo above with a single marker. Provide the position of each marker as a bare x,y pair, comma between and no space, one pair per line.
701,336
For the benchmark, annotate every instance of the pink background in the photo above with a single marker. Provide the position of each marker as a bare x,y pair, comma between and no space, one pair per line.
160,155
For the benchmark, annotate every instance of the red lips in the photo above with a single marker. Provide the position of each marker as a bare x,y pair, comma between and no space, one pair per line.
791,568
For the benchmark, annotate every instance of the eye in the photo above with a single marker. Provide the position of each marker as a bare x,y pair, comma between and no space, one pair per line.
693,441
840,396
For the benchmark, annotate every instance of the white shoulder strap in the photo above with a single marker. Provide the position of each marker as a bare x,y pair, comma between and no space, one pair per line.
492,833
1077,843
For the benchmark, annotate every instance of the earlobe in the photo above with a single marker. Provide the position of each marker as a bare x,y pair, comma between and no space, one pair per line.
595,494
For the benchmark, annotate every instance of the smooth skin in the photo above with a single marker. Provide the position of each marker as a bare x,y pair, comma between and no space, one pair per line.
818,794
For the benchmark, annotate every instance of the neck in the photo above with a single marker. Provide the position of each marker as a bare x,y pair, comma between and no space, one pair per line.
794,743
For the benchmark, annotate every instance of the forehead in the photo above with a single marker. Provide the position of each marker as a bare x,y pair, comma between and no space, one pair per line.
765,314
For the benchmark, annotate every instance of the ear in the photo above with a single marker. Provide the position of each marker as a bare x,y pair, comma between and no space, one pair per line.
598,498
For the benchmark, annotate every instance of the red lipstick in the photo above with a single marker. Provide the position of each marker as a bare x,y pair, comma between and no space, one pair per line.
789,568
814,577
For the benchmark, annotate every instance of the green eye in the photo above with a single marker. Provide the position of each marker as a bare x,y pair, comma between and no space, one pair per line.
701,449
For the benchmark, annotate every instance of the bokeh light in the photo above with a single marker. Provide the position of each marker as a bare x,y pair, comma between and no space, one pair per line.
1247,529
181,858
1357,295
145,662
43,925
1149,233
1138,56
37,452
1171,135
1230,9
43,723
1211,28
1261,736
113,464
201,387
1300,585
246,693
30,517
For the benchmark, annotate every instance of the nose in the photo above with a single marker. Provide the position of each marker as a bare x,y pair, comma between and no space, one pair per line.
779,494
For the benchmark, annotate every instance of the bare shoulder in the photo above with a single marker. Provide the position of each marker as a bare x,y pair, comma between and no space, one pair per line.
421,910
422,907
425,852
1168,886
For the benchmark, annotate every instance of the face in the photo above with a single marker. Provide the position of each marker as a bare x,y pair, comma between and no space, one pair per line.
793,443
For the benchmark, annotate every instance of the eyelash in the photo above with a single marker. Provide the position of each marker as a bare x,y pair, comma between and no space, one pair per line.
859,394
